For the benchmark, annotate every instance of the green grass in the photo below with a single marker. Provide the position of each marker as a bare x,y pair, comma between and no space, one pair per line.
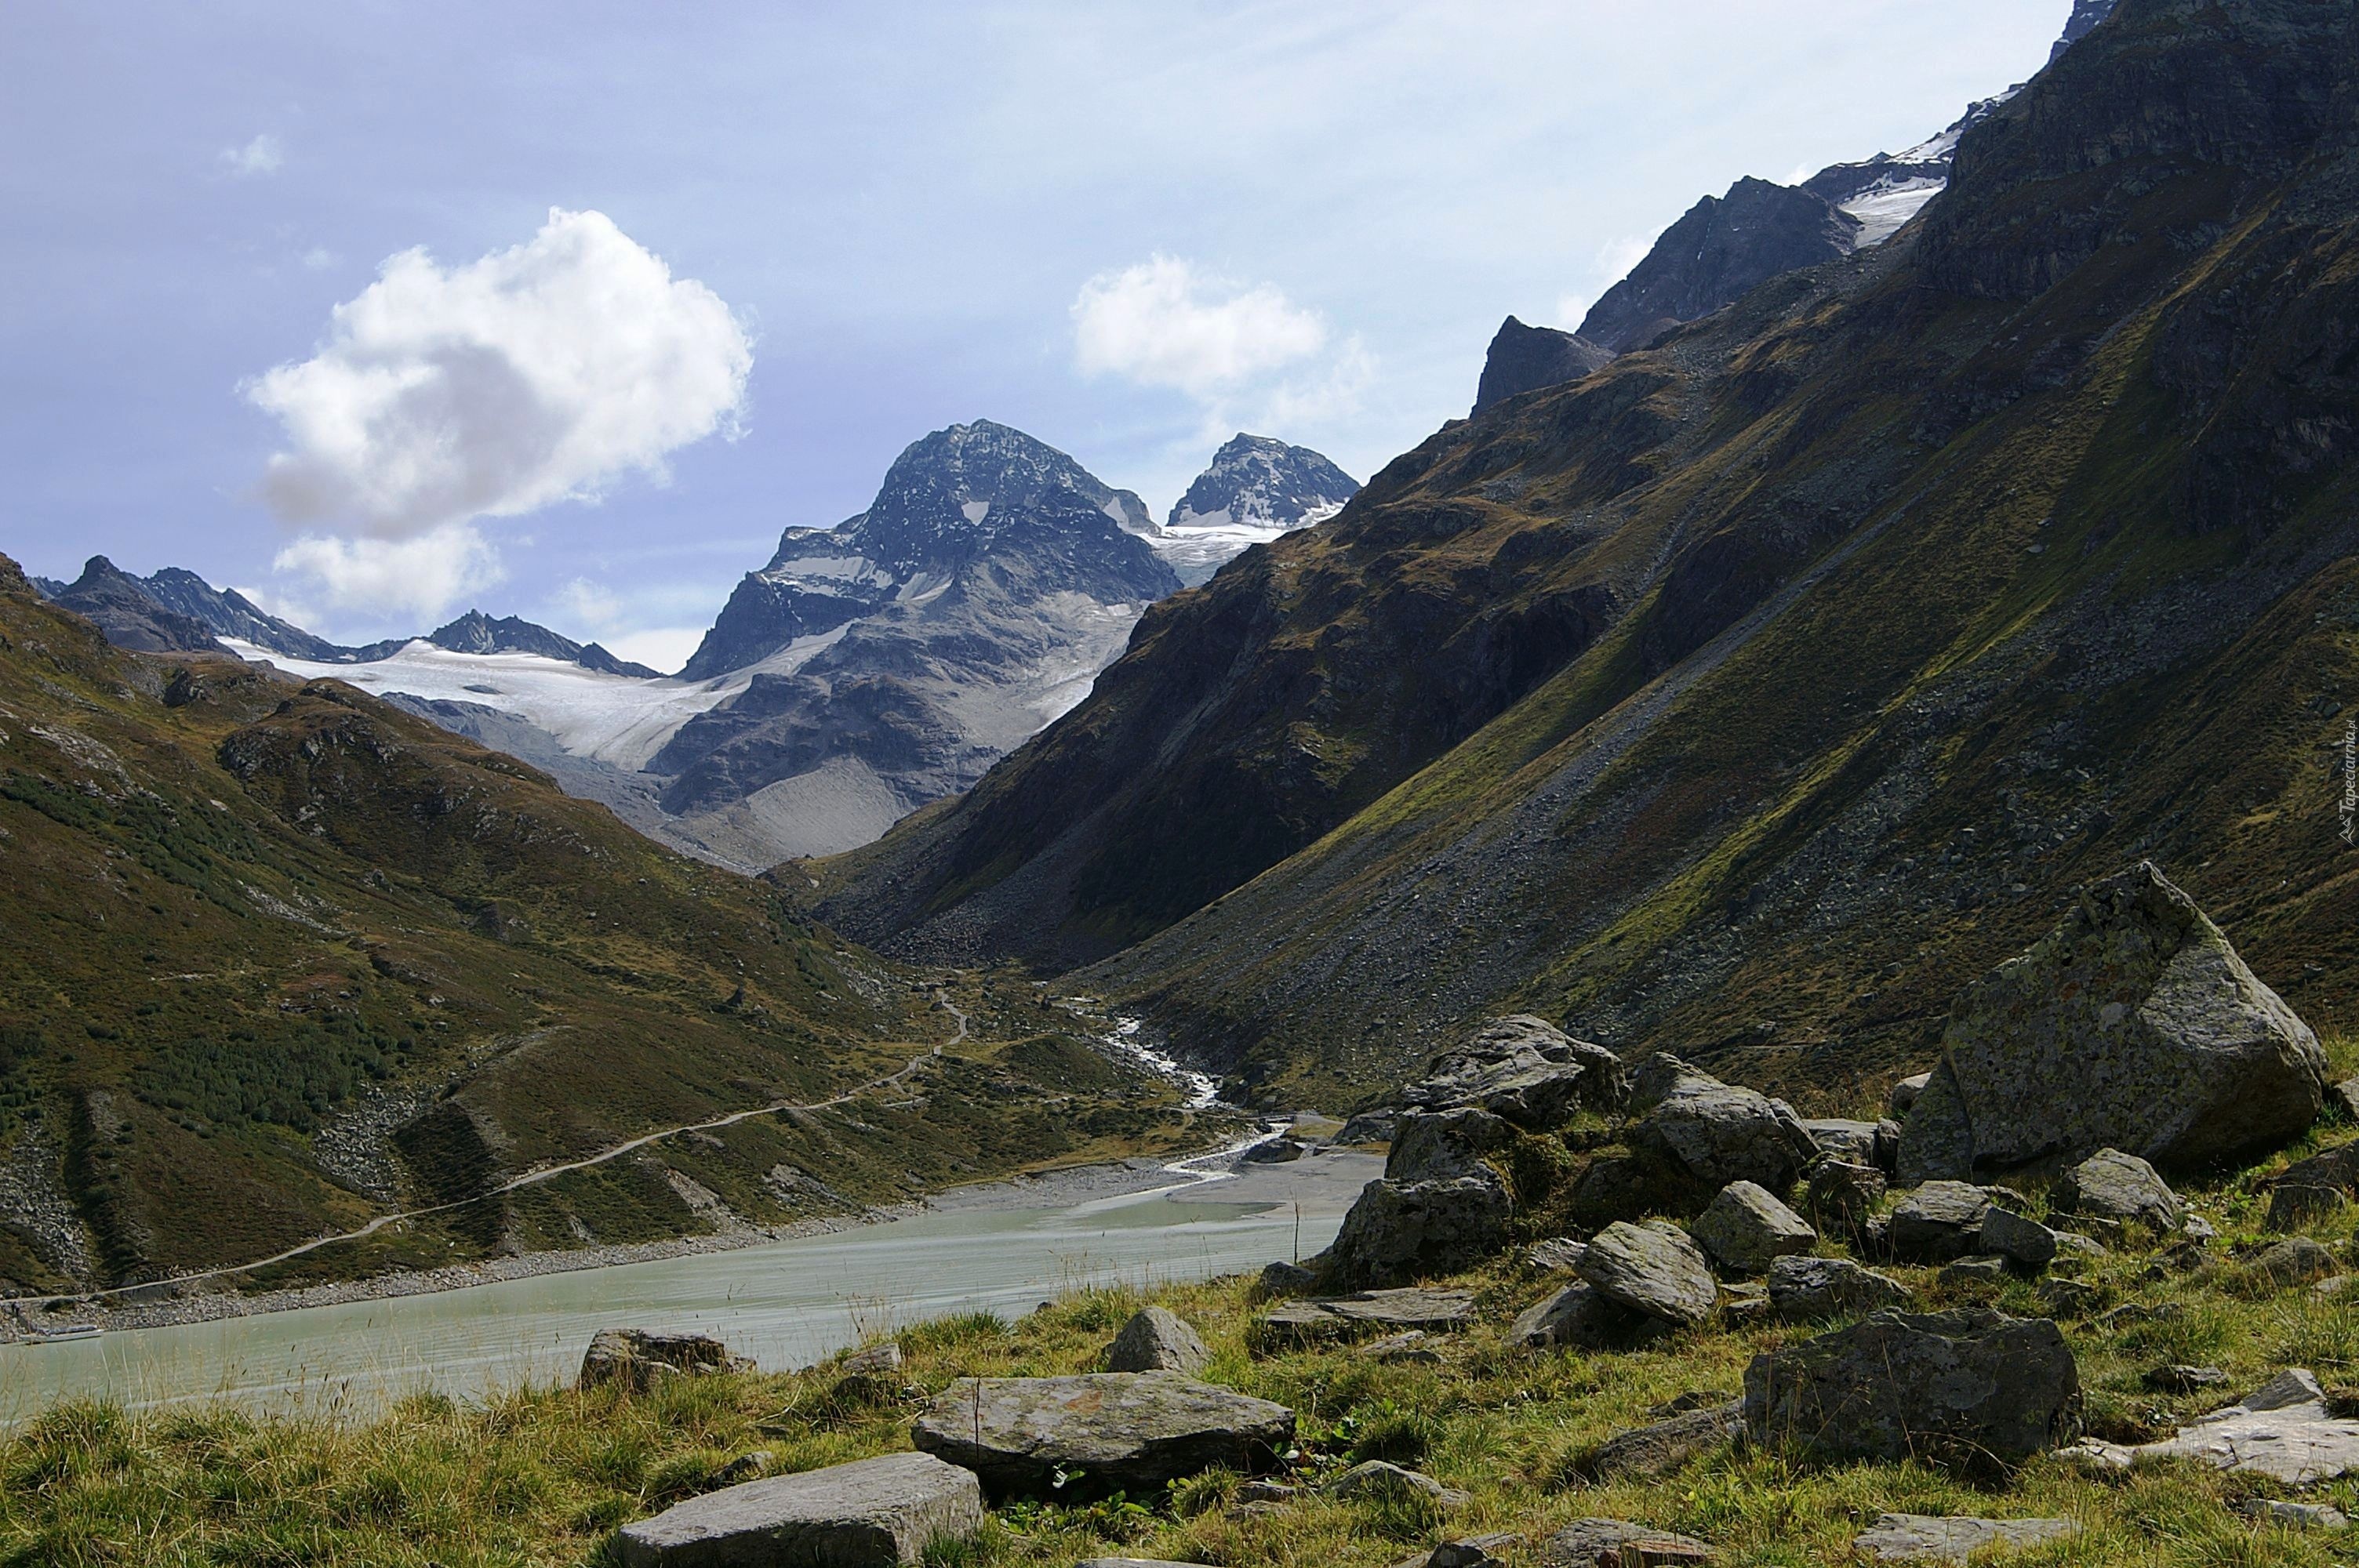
543,1475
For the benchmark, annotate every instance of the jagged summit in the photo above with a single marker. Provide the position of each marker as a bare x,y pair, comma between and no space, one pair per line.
121,607
476,632
1724,247
1524,359
1259,479
233,615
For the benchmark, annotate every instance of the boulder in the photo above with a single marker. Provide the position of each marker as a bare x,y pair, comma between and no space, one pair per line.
1157,1340
2344,1098
636,1358
2292,1206
2183,1379
1134,1562
1122,1430
1368,1312
1853,1143
1581,1315
1803,1288
2133,1025
1981,1269
1436,1146
1414,1348
1598,1543
1843,1195
1369,1127
1921,1537
1282,1150
1473,1551
2282,1431
2022,1241
1402,1230
1525,1070
1746,1229
1649,1453
1384,1481
1284,1278
872,1513
2297,1260
1904,1095
1652,1269
1631,1184
1720,1133
2123,1188
1962,1387
1938,1222
2294,1515
1557,1255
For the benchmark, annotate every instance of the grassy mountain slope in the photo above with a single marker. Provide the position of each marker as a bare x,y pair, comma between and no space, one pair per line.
1751,694
279,958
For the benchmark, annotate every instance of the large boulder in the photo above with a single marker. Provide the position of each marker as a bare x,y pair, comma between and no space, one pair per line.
2133,1025
1158,1340
1121,1431
1437,1146
2111,1186
636,1359
1938,1222
1651,1452
1802,1288
1746,1230
1963,1387
1525,1070
1719,1132
1652,1269
1404,1230
872,1513
1581,1315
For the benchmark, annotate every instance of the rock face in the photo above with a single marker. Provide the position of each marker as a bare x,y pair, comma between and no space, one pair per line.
1722,249
1439,1145
1523,1069
1256,490
1524,359
1127,1431
1920,1537
1652,1269
1721,1133
121,607
1158,1340
872,1513
2282,1429
2133,1025
1960,1387
1746,1230
2110,1184
1803,1288
636,1359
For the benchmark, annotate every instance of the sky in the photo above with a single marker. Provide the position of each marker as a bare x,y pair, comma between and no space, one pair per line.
383,311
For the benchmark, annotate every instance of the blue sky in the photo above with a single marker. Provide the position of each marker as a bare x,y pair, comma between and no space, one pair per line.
792,238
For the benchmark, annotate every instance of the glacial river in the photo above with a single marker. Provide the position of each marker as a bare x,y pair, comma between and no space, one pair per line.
785,1303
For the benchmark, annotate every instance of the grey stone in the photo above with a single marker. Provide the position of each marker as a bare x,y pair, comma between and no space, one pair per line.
1746,1229
1598,1542
2070,1298
1525,1070
872,1513
1435,1146
2344,1098
1983,1269
1825,1287
1413,1348
1920,1537
1474,1552
1721,1133
2018,1239
1559,1254
1581,1315
2298,1260
2123,1188
1402,1230
2133,1025
2293,1206
2073,1244
1134,1562
636,1358
2185,1379
1853,1143
1963,1387
1652,1269
1284,1278
1651,1452
1938,1221
1379,1478
1279,1151
1370,1127
1122,1431
1904,1095
2295,1516
1843,1196
1369,1312
2282,1431
1158,1340
873,1360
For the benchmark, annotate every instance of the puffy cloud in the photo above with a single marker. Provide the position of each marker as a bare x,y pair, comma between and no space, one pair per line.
422,575
264,154
533,375
1163,324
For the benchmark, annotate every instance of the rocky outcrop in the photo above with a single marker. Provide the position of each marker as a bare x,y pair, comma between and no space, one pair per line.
1158,1340
1400,1230
1122,1430
1718,1132
872,1513
1938,1222
1524,1070
1961,1388
2282,1431
1524,359
119,605
2133,1025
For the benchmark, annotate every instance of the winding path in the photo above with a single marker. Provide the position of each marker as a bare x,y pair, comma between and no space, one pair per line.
530,1179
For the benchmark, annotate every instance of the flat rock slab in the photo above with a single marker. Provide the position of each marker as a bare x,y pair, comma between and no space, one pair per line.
1372,1312
1135,1562
1607,1543
1920,1537
873,1513
1650,1453
1124,1431
2281,1431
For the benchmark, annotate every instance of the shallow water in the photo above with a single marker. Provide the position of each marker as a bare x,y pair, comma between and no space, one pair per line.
785,1303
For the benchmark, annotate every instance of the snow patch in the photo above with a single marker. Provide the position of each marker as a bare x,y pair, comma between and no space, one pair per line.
977,511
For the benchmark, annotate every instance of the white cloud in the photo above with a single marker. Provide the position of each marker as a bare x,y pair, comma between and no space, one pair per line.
664,648
1572,309
533,375
421,575
591,604
264,154
1162,323
320,258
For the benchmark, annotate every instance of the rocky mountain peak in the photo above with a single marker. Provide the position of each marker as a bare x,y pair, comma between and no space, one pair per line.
1259,479
120,606
1722,249
2086,14
476,632
1524,359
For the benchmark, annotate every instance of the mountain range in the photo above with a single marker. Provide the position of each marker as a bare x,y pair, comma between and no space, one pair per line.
1748,694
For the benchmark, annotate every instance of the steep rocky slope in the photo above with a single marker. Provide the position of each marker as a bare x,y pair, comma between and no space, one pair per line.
119,605
279,959
1753,692
1724,247
1523,358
